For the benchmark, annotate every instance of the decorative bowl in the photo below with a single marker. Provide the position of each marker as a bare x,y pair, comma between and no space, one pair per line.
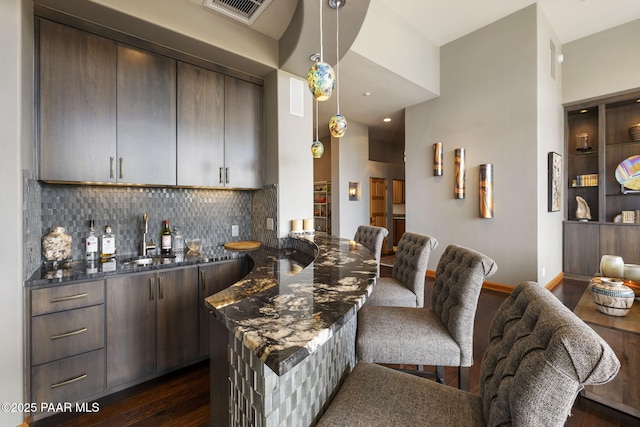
611,296
634,132
632,272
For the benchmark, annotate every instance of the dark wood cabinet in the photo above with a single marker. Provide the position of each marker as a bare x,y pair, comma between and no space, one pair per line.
244,134
66,342
214,278
581,248
146,125
152,323
399,226
77,104
131,328
200,126
177,318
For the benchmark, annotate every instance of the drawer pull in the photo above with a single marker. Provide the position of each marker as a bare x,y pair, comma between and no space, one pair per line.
160,288
69,381
69,298
69,334
202,279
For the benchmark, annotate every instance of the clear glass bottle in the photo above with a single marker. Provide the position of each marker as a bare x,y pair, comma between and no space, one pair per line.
108,244
165,239
92,243
178,242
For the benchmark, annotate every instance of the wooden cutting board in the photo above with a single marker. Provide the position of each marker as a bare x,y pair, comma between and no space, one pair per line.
247,245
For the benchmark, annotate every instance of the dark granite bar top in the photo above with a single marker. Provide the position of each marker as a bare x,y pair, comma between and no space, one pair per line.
60,273
283,311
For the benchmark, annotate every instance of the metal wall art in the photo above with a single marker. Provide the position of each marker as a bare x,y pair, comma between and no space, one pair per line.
437,159
460,168
554,177
486,191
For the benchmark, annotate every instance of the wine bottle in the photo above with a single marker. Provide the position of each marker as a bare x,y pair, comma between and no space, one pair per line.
165,238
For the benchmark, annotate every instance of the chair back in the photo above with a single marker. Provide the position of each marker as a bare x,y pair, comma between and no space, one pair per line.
372,237
459,277
540,355
412,258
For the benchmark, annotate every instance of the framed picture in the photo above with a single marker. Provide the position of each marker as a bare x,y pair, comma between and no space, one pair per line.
555,181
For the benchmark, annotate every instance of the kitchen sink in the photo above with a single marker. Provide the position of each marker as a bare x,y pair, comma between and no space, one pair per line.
148,260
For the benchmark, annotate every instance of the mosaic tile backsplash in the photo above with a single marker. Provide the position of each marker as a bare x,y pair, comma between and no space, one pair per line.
198,213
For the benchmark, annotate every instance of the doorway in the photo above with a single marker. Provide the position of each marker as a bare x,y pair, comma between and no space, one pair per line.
378,202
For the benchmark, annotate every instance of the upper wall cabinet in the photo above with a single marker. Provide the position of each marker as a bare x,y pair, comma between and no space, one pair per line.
200,126
146,117
113,113
77,96
243,134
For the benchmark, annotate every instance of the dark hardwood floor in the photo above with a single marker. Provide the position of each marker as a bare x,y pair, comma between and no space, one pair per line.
182,398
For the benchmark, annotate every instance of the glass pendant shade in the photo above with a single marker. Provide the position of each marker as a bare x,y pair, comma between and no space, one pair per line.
321,79
317,149
338,125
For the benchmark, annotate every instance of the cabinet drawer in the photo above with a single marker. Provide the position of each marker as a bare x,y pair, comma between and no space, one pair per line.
66,297
70,379
67,333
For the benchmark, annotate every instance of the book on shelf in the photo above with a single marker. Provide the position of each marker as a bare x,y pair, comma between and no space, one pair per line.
587,180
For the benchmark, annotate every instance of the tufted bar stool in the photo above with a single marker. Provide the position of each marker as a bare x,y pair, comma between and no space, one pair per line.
372,238
406,286
540,356
441,335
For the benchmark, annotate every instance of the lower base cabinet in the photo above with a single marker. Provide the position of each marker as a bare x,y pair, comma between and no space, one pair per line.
152,323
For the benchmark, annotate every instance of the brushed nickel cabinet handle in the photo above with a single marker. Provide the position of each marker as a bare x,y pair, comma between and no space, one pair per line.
69,298
226,175
220,176
69,381
152,282
121,168
202,279
69,334
111,167
160,288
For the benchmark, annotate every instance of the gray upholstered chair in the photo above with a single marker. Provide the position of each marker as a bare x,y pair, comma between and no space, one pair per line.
406,286
372,238
540,355
441,335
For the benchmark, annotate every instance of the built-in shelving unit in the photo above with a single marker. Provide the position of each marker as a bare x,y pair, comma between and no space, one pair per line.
590,169
322,206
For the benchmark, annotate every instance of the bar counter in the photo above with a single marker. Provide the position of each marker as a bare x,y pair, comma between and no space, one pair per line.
283,337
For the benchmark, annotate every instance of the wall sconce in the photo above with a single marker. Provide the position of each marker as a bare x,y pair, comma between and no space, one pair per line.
354,191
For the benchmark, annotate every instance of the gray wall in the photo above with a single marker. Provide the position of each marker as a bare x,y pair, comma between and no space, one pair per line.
488,105
16,118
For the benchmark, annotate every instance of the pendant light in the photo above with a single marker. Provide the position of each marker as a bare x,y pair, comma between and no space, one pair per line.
321,78
317,148
337,123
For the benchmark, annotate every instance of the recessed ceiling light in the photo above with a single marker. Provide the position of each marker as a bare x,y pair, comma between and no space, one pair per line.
386,119
637,100
583,111
367,94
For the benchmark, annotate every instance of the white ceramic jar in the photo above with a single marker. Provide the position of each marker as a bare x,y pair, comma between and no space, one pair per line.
612,266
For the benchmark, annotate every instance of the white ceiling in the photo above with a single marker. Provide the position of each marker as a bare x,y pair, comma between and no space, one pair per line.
443,21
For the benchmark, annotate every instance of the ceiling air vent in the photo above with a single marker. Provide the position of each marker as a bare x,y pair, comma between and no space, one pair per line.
246,11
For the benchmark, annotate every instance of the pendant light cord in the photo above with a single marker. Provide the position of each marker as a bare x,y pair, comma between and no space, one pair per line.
317,124
321,53
338,59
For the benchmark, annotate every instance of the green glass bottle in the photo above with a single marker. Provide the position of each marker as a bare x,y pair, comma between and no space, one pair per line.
165,239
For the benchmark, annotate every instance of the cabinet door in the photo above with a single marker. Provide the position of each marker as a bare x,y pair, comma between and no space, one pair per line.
131,328
243,134
214,278
200,126
146,117
177,325
77,100
581,248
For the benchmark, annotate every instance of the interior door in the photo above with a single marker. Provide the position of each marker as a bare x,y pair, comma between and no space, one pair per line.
378,202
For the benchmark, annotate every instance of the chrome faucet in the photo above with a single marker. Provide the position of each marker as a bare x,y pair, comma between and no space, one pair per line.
146,246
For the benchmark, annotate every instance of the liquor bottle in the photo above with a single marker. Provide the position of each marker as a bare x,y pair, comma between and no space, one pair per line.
92,243
165,239
108,244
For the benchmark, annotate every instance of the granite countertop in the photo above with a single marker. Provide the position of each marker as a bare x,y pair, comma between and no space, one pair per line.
82,270
283,311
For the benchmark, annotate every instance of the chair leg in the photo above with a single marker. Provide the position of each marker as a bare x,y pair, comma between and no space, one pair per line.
440,374
464,378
